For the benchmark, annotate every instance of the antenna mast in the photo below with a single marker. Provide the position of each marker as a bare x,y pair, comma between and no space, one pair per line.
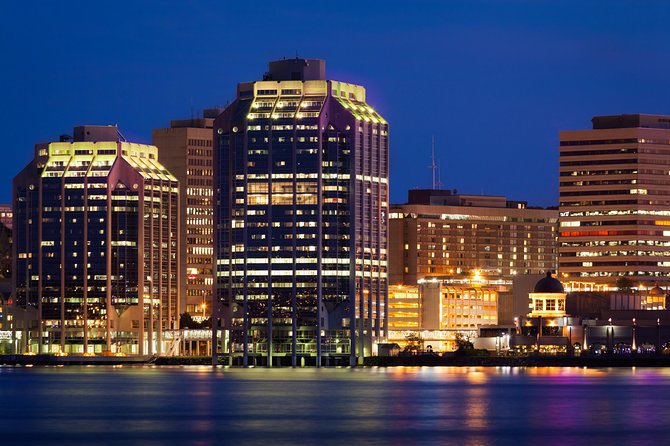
439,176
433,167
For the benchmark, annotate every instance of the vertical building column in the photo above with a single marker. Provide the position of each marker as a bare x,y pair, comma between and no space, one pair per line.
353,241
232,149
269,328
40,316
152,231
85,266
161,265
294,298
319,238
141,276
62,264
108,269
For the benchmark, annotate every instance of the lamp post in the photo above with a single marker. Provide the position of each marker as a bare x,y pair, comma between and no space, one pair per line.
658,336
564,332
539,333
585,333
610,341
634,346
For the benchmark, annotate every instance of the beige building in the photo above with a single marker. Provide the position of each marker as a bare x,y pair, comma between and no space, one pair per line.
435,310
185,149
441,233
615,201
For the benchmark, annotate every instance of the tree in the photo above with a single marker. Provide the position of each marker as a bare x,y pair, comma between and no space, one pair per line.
413,344
624,284
186,321
463,343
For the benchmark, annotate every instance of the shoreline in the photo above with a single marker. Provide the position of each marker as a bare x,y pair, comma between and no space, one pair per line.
374,361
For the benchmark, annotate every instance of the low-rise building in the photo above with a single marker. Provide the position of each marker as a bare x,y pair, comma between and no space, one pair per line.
434,311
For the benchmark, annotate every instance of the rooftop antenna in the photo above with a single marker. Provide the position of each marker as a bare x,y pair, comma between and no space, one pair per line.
439,176
433,167
119,134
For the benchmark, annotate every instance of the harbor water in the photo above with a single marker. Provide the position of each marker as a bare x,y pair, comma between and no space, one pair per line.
144,405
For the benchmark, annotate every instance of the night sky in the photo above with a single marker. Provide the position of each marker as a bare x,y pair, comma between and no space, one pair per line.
493,81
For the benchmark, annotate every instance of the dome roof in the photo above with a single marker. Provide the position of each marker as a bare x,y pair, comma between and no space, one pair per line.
549,285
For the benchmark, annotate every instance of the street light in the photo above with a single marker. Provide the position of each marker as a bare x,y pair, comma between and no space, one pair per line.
658,336
634,343
565,325
610,346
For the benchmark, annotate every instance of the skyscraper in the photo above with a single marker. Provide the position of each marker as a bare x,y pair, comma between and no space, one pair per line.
301,176
95,247
185,149
615,200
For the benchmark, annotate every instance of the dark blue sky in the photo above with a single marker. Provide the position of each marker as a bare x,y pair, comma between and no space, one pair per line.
494,81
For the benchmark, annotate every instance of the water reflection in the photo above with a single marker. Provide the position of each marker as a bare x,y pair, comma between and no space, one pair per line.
390,406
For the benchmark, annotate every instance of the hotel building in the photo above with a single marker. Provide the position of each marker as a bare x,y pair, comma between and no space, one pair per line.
301,179
95,247
442,233
185,149
615,201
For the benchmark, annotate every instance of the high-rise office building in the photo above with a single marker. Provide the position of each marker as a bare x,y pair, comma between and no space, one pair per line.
301,177
95,247
615,200
185,149
443,233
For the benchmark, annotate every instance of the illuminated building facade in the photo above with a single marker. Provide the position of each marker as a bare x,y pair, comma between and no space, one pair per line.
6,215
435,310
615,200
301,176
185,149
95,247
441,233
547,328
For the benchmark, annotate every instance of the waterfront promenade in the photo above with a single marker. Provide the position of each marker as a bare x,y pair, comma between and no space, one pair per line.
373,361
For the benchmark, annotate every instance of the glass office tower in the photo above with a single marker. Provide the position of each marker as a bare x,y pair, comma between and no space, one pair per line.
95,247
301,179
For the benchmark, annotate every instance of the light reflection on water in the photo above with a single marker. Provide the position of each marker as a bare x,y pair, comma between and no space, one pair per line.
389,406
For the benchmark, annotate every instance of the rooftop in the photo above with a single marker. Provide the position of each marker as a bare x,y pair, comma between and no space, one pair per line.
631,121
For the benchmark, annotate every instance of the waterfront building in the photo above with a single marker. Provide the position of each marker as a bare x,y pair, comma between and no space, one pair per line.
185,149
615,201
301,179
434,311
546,328
443,233
592,322
95,247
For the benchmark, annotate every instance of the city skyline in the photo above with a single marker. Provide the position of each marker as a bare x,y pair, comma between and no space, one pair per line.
534,69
